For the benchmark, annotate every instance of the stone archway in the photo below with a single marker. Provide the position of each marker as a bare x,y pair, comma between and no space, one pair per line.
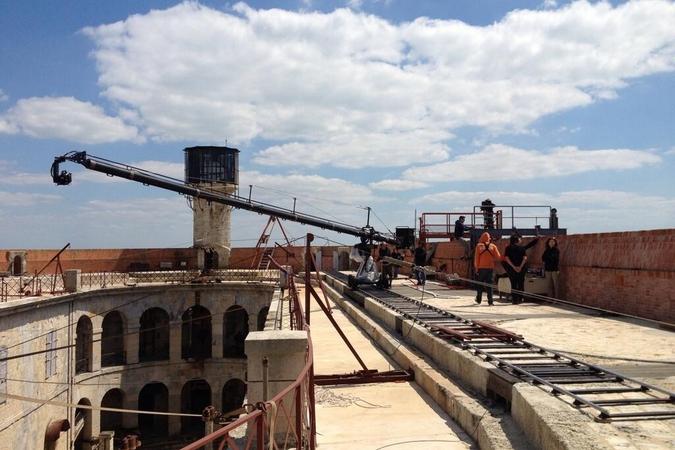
153,397
112,340
153,335
112,421
262,318
194,397
233,395
83,429
235,330
83,345
196,333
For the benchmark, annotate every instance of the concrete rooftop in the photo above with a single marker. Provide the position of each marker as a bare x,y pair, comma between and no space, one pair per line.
396,416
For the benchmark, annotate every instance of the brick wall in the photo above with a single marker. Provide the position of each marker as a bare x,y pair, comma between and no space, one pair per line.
107,260
629,272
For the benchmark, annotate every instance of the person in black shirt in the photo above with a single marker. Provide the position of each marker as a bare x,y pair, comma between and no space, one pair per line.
396,255
420,262
515,260
385,267
551,259
460,228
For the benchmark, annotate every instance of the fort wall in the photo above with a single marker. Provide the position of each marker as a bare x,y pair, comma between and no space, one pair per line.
629,272
121,360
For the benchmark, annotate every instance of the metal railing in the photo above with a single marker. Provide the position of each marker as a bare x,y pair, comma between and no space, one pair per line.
434,225
287,421
16,287
479,216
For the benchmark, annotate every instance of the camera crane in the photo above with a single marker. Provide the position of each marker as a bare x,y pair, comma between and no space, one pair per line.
367,234
112,168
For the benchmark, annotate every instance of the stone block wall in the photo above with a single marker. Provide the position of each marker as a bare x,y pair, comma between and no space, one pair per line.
29,376
629,272
108,260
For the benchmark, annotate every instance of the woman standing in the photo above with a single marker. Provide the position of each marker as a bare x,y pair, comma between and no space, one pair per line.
551,259
515,259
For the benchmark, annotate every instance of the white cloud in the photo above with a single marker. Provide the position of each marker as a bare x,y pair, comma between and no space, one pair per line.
3,96
142,211
65,118
397,185
10,176
333,198
549,4
501,162
671,151
9,199
354,151
317,81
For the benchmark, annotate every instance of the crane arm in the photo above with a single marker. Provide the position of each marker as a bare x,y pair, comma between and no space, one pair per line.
113,168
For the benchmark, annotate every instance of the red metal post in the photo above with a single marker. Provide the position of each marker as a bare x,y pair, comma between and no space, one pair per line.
308,278
298,416
260,431
337,328
312,413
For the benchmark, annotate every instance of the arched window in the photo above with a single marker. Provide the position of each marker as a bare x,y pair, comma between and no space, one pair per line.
153,397
262,317
112,340
235,330
112,421
83,424
196,333
17,265
154,335
234,394
195,396
83,345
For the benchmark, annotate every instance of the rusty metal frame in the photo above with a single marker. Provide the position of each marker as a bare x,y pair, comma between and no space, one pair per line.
362,376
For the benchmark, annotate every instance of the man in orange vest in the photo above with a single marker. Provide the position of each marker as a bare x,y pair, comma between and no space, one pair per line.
484,259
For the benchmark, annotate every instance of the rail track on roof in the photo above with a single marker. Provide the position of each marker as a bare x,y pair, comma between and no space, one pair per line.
603,393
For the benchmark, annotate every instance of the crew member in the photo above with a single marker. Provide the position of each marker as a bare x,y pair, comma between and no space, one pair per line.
420,262
484,259
396,255
551,259
515,260
460,228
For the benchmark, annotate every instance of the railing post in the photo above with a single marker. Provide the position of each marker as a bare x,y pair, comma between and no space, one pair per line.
308,279
266,377
209,416
312,414
298,415
260,431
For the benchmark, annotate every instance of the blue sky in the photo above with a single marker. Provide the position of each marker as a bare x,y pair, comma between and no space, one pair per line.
401,106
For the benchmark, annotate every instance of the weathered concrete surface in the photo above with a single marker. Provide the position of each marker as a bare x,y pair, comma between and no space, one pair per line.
490,427
628,346
398,415
551,424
